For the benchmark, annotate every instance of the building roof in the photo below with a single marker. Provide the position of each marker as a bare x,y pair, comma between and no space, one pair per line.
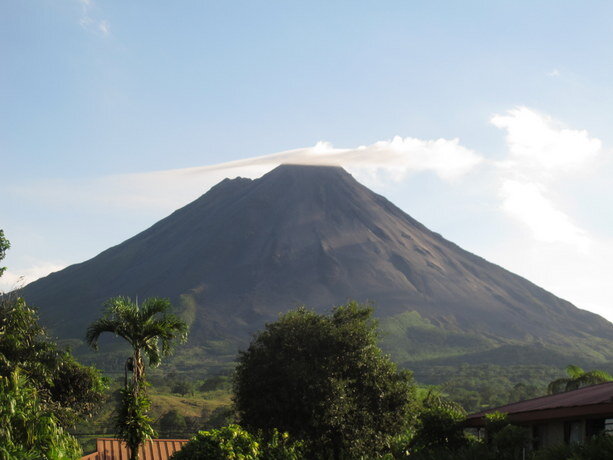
593,400
154,449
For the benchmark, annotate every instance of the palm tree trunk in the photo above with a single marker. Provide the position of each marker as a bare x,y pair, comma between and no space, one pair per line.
138,374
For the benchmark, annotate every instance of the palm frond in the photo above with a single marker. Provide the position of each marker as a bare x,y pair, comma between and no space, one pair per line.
164,332
153,352
95,329
153,306
574,371
149,328
594,377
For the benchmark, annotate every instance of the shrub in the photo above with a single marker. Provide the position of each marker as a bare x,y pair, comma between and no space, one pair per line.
231,442
279,446
597,448
28,430
440,425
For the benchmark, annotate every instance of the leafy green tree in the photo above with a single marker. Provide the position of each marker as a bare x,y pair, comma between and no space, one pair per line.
151,330
71,390
577,378
323,379
440,425
4,245
218,382
28,429
221,416
183,387
43,389
172,423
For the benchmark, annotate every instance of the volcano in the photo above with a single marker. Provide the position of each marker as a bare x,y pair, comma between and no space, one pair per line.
248,250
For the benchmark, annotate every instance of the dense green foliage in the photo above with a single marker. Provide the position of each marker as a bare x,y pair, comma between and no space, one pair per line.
43,389
150,329
578,378
323,379
4,245
28,428
504,440
71,390
234,442
230,442
440,425
597,448
481,386
172,422
183,387
132,423
440,437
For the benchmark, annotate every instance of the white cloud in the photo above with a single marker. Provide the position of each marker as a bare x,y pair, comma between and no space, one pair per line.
527,202
104,27
89,22
394,158
166,190
553,73
560,252
15,279
400,156
541,151
542,145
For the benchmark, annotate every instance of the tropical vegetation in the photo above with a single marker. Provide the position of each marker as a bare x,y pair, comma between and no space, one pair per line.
324,380
29,429
71,390
308,386
4,245
43,389
150,329
578,378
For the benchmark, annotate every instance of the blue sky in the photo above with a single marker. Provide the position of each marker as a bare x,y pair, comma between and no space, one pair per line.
490,122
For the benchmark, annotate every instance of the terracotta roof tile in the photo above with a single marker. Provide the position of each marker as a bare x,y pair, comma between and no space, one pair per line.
155,449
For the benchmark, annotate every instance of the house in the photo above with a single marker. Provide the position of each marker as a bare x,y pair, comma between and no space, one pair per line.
154,449
567,417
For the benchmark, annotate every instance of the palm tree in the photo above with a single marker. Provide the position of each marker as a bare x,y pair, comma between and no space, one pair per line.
577,378
150,329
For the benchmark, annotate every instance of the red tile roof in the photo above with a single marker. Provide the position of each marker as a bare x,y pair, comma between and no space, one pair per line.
592,400
154,449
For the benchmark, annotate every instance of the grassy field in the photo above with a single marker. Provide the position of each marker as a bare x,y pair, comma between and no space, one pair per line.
189,413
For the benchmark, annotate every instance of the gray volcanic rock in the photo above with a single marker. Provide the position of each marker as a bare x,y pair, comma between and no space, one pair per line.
309,235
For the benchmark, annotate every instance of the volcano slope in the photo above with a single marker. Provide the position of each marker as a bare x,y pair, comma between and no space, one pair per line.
248,250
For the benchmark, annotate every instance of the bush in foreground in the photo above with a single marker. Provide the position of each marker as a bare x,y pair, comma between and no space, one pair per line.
28,430
233,443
